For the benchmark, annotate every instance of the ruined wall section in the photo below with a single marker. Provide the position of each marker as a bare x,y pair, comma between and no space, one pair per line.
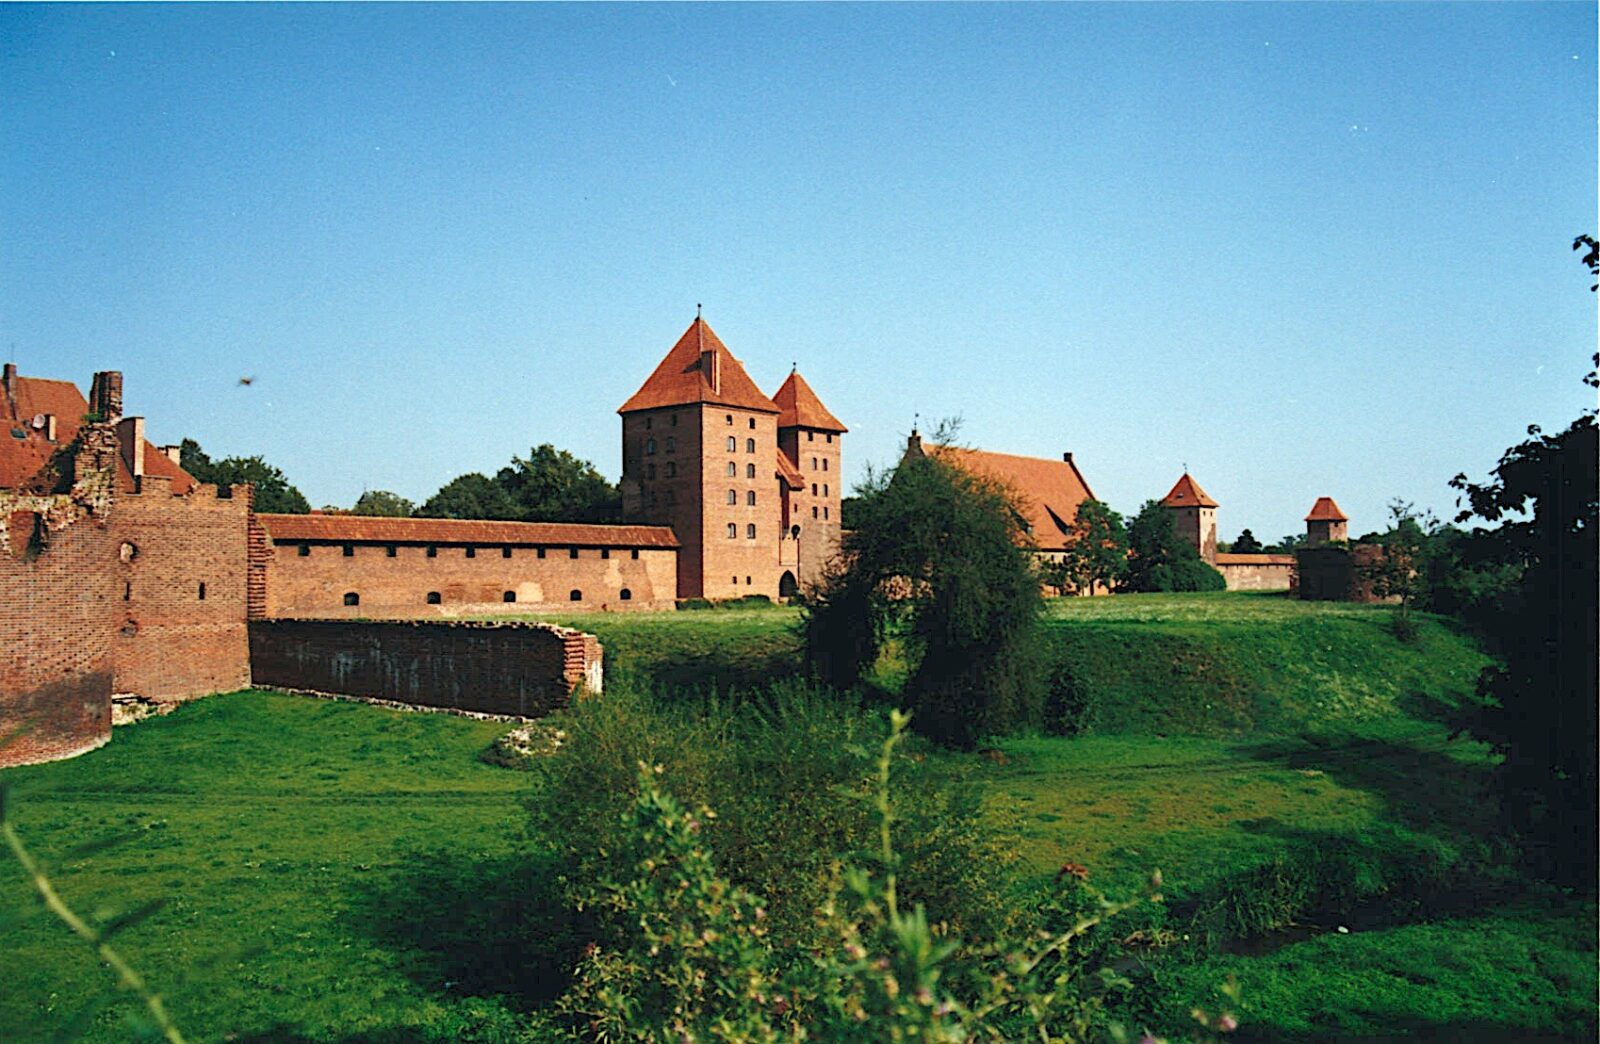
57,610
516,668
183,593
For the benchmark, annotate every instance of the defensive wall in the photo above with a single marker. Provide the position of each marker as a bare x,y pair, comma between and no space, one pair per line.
490,667
57,612
349,566
1256,572
1338,574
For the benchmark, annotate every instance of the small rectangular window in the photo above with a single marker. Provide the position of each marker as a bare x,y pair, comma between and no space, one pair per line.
752,422
635,553
605,552
672,470
390,550
572,552
472,552
541,552
202,590
349,551
824,512
733,531
750,531
824,463
305,550
672,443
674,420
505,552
810,435
830,438
433,552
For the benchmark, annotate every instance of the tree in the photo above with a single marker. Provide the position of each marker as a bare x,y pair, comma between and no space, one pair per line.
1097,549
474,495
551,485
938,556
274,494
1247,544
1399,571
382,503
1541,706
1288,545
1161,560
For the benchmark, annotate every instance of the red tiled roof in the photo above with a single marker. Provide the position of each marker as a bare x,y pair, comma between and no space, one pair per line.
1325,510
370,529
39,395
789,472
801,407
1187,493
1228,558
1048,491
679,380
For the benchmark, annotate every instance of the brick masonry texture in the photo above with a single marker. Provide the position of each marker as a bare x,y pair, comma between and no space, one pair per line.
57,613
514,668
1334,574
183,564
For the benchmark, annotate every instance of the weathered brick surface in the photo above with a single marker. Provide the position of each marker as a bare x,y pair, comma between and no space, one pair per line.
182,564
1336,574
57,612
397,587
525,669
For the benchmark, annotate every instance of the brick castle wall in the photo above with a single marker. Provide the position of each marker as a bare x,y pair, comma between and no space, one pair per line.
525,669
1335,574
397,586
57,612
1257,576
182,566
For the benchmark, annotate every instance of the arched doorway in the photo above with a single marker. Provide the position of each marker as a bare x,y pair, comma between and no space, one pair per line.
788,586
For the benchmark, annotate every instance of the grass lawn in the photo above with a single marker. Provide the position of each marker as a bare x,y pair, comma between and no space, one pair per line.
379,872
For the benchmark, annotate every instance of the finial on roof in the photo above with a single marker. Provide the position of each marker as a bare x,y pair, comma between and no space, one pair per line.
697,309
794,367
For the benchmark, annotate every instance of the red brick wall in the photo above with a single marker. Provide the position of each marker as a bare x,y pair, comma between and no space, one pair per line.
1334,574
819,457
173,641
57,615
526,669
397,587
1257,576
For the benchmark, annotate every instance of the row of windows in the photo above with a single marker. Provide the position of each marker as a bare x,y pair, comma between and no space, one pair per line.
650,445
749,531
811,436
749,497
814,489
733,445
650,470
434,598
814,463
730,420
649,423
671,446
733,470
392,551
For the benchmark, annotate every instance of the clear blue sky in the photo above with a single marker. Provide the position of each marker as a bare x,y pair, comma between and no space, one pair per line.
1307,249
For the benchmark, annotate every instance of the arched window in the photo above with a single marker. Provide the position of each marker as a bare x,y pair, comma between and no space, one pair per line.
749,445
672,443
788,587
730,418
351,598
750,497
750,531
649,471
575,595
627,595
733,444
813,463
752,422
810,435
649,445
433,598
733,469
733,531
824,512
750,471
824,463
824,489
672,470
509,596
733,496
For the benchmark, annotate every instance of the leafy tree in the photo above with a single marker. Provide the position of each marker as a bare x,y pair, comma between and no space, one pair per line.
274,494
1247,544
1399,572
1097,550
1541,712
1288,545
474,495
383,503
551,485
937,555
1161,560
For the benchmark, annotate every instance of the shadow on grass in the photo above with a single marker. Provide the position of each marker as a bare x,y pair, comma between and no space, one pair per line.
466,925
1402,1030
720,670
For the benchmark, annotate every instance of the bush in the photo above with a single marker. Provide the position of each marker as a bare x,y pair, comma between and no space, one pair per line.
773,764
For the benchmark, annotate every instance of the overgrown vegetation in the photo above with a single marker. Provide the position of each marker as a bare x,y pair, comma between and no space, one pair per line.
1161,560
274,493
548,485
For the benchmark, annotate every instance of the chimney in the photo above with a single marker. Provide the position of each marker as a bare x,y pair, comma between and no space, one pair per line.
50,427
173,453
8,377
105,396
130,439
914,443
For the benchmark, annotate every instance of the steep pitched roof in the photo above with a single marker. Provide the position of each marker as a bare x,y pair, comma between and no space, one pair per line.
372,529
681,378
1325,510
801,407
789,472
22,458
1048,491
1187,493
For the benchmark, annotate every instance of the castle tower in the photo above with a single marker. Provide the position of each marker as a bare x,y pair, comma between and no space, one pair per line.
811,440
700,454
1326,523
1195,516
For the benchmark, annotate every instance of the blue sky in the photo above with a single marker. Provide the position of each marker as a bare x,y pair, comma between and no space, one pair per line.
1305,249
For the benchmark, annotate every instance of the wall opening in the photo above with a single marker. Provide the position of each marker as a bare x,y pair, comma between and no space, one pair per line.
351,598
788,586
433,598
575,596
202,590
627,595
509,596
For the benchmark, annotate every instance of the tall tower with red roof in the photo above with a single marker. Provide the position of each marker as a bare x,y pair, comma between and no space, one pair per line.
1194,514
700,454
1326,523
810,438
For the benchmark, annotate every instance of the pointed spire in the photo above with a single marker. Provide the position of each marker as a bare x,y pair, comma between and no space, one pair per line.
1186,492
699,368
799,407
